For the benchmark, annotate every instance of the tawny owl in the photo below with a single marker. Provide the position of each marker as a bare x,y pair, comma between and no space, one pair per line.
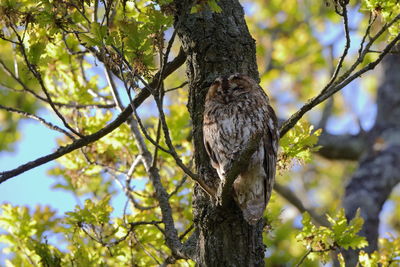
236,108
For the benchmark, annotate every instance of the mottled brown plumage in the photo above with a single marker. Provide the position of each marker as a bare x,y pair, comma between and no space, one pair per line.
235,109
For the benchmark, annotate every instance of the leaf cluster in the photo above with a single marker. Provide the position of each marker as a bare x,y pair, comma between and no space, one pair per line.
298,144
341,234
387,10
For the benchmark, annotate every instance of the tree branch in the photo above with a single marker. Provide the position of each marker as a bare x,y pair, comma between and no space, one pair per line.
43,121
291,197
368,189
170,233
379,171
346,147
225,195
346,47
344,79
176,157
79,143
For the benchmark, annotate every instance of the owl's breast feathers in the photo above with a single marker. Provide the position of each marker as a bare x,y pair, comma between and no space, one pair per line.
232,125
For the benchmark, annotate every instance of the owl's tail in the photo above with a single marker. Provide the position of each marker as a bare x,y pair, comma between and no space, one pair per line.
250,197
254,210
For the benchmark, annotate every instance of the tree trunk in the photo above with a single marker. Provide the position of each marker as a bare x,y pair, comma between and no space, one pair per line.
379,170
217,44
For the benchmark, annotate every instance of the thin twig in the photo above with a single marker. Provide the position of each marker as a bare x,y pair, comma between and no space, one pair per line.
143,128
114,89
145,250
158,136
178,186
132,226
210,191
165,58
371,20
303,258
314,251
43,121
99,239
176,88
80,11
346,48
96,6
190,228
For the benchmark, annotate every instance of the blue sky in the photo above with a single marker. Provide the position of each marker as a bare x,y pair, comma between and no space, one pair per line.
32,187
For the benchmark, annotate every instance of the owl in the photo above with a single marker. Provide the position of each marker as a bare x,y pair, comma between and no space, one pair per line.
236,108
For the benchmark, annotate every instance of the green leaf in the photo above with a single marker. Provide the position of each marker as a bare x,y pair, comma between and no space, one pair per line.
299,143
340,234
214,6
35,51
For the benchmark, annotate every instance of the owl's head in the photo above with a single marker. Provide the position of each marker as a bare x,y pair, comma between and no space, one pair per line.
224,89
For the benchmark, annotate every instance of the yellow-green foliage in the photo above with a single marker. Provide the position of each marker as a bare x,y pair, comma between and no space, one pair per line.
321,240
299,143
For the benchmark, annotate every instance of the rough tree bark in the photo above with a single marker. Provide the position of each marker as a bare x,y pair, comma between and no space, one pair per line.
379,169
217,44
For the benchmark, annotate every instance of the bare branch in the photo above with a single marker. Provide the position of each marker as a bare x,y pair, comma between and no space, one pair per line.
172,151
178,186
341,82
344,147
160,93
43,121
326,113
165,59
291,197
346,48
176,88
170,232
371,20
114,89
145,133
